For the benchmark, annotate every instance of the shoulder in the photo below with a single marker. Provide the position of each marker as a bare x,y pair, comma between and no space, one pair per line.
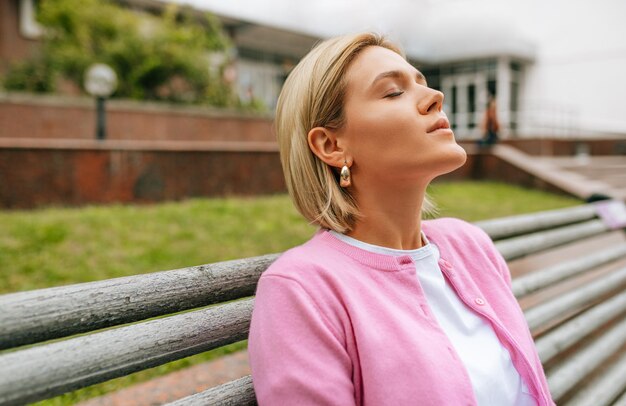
455,230
310,263
461,239
308,277
305,256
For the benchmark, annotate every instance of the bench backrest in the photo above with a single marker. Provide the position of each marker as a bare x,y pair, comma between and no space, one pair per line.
210,306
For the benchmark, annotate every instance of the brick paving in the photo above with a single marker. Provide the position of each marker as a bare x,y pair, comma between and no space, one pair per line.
178,384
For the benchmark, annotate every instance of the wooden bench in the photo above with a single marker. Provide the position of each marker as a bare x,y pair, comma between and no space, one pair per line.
569,274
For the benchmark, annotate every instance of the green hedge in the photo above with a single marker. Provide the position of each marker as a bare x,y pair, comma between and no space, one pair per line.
164,57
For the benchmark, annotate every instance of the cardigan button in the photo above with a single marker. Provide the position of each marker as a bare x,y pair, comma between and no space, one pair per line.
479,301
405,260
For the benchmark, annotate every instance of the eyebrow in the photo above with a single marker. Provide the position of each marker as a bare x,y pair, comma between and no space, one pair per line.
396,74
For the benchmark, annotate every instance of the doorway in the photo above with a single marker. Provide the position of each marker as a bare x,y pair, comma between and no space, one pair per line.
466,96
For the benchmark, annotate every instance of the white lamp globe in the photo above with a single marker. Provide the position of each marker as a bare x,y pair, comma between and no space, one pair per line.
100,80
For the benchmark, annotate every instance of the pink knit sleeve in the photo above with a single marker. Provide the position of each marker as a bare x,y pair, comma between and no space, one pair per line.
494,255
296,357
500,262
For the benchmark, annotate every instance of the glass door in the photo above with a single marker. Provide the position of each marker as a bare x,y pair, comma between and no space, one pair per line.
466,95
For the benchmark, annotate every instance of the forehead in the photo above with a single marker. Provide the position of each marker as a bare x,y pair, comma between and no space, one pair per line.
372,61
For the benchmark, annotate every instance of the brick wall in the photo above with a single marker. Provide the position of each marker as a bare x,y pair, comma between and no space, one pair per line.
39,173
55,117
559,147
72,173
60,117
484,166
44,172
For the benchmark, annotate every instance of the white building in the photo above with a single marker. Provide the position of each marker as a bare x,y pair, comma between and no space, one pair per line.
556,67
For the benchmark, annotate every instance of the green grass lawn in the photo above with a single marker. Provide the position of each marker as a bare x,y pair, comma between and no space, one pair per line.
58,246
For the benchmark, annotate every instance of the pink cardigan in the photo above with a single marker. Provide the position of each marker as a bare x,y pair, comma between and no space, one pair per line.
337,325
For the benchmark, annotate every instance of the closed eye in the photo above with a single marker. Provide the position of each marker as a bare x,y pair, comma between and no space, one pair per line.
395,94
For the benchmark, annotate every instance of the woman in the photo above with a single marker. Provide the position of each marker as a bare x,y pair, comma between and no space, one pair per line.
490,125
380,307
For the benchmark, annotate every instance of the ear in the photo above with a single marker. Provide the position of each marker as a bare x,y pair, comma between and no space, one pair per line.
323,143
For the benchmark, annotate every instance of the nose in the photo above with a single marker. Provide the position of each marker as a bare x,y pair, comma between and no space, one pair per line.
432,101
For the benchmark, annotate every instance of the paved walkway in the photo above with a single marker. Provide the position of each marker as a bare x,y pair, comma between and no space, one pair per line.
178,384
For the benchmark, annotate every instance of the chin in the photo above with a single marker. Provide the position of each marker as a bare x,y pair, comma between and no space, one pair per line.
454,159
461,155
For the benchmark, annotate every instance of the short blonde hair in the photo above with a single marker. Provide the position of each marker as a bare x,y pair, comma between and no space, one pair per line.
313,96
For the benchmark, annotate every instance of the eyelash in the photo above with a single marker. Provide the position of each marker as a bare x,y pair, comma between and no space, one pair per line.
395,94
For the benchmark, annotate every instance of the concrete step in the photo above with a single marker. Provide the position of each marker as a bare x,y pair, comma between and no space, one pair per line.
579,176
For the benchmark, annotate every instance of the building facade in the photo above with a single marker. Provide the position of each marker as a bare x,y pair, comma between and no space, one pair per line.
555,69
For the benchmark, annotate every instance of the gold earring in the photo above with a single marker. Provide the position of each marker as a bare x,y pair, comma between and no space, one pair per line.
344,176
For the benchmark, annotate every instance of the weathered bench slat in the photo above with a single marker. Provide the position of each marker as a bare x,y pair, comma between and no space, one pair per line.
517,247
44,314
604,389
569,373
621,401
601,314
547,346
41,372
536,280
538,315
572,331
236,393
527,223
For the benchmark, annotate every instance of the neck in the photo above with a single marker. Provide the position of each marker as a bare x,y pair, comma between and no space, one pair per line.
390,217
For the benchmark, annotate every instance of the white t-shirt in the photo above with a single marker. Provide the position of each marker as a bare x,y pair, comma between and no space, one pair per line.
495,380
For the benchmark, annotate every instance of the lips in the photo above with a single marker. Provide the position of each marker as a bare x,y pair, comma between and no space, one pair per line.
441,123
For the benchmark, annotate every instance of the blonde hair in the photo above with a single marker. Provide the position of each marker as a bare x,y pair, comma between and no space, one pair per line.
313,96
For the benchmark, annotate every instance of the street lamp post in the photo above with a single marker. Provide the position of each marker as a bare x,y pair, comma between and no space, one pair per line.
100,82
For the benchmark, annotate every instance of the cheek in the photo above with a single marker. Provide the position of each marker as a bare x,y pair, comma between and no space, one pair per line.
386,117
386,129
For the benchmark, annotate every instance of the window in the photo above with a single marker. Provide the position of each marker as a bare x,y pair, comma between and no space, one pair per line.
432,77
29,27
471,106
492,87
514,104
454,107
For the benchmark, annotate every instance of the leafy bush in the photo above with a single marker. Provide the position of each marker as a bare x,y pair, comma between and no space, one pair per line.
162,57
35,75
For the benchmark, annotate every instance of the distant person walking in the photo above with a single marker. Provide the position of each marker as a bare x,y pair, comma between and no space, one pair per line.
490,125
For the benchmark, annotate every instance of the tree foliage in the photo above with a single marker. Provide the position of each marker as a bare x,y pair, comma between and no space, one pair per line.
164,57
